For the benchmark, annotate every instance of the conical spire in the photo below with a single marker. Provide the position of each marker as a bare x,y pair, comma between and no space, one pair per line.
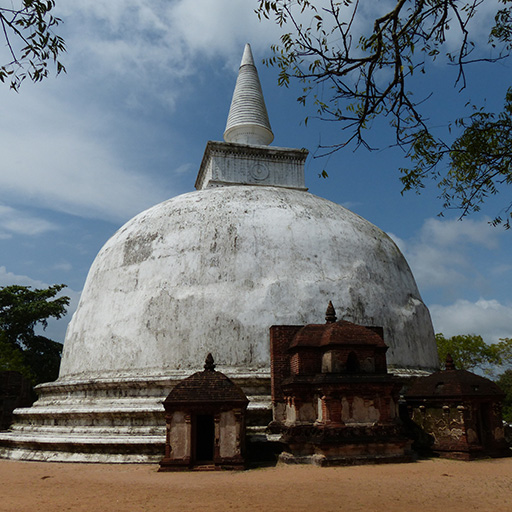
449,364
248,119
209,364
330,314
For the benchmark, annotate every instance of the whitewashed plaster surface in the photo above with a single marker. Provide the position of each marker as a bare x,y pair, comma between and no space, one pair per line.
212,270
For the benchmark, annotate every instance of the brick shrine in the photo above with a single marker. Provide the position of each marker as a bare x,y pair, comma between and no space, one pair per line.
333,399
205,423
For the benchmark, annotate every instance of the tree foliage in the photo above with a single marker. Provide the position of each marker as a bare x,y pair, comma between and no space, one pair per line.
354,71
28,30
21,349
504,381
470,352
11,358
479,161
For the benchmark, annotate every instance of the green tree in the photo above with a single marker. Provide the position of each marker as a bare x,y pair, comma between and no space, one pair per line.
354,71
504,381
21,349
470,352
11,358
27,27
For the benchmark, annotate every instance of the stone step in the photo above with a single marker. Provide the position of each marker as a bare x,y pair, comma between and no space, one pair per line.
95,430
121,407
37,412
43,433
81,448
91,445
156,388
127,413
126,403
89,439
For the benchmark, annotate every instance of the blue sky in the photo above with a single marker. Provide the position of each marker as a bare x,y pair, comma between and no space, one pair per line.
148,84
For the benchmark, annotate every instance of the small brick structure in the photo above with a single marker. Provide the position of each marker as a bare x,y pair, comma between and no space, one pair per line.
205,418
461,411
333,400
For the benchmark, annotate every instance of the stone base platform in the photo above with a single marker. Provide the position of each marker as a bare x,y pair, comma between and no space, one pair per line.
324,461
358,443
117,420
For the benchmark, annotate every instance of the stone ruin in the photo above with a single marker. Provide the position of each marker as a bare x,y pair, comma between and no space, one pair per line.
461,412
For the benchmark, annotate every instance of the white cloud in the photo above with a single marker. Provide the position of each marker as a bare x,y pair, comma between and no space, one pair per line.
501,270
58,158
488,318
150,41
17,222
183,169
64,266
440,255
9,278
450,233
351,205
479,28
221,27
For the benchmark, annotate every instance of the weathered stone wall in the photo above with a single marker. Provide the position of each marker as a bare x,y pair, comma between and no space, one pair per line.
229,442
180,436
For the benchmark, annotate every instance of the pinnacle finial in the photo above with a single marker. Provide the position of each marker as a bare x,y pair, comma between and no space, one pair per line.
330,314
247,59
449,364
248,119
209,364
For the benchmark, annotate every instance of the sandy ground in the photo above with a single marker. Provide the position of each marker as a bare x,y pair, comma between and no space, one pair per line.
428,485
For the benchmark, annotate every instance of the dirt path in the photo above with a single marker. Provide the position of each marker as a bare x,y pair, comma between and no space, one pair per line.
431,485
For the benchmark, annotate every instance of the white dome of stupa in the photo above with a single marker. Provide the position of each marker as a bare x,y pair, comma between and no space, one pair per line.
212,270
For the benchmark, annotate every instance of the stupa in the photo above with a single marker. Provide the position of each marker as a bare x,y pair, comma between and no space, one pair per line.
211,271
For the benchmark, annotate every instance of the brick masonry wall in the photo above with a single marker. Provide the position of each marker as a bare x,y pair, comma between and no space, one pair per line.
309,361
280,338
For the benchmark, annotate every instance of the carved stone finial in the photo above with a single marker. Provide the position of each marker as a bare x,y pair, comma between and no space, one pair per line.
209,365
330,314
449,364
